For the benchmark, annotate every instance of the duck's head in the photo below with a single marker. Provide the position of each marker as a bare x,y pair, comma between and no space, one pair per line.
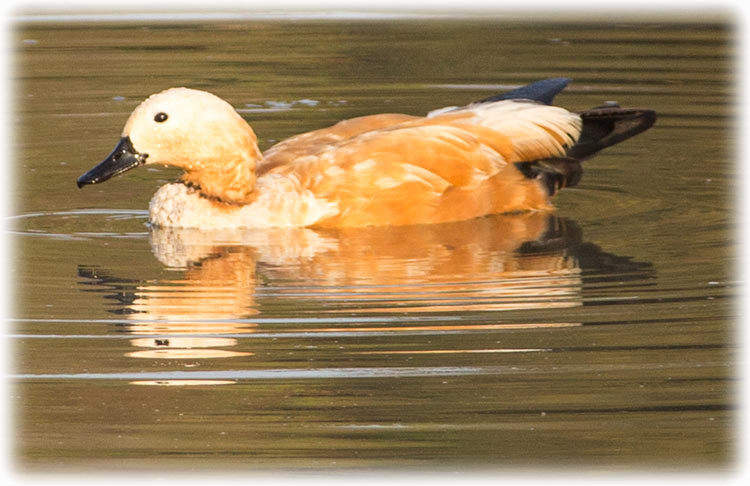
190,129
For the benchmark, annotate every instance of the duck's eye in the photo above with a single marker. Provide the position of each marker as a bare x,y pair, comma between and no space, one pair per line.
160,117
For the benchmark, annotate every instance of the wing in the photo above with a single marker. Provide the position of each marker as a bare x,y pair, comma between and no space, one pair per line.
444,167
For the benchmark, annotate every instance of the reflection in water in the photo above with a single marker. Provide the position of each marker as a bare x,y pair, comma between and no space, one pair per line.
505,262
471,265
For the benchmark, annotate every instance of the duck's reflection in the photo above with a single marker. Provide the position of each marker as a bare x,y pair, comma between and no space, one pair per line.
496,263
505,262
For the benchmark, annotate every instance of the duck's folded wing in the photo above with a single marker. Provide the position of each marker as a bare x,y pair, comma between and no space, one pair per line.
448,167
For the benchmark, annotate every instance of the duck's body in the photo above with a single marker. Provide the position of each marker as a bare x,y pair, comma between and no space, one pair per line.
504,154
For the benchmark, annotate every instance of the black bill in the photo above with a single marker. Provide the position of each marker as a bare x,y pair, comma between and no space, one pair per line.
123,158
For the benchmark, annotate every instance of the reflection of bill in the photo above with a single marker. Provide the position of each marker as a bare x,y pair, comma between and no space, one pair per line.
504,262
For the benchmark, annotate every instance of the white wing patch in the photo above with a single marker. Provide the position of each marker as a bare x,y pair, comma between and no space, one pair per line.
532,127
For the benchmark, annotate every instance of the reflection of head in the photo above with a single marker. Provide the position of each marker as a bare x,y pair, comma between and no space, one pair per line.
212,298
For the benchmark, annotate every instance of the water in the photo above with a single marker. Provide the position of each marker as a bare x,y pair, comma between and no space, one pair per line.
600,337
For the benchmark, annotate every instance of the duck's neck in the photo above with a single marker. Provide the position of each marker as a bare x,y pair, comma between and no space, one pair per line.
230,180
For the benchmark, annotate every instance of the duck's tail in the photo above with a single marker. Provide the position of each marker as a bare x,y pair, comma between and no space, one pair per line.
602,127
608,125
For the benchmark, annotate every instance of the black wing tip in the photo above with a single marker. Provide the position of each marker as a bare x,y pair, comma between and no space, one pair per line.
543,91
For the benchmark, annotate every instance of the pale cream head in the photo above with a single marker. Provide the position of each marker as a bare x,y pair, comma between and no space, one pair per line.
200,133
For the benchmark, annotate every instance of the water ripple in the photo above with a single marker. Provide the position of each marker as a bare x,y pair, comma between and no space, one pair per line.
357,373
112,223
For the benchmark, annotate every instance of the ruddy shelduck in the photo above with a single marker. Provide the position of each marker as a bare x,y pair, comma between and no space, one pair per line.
503,154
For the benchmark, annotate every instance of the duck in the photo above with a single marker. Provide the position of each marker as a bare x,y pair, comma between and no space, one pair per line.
508,153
